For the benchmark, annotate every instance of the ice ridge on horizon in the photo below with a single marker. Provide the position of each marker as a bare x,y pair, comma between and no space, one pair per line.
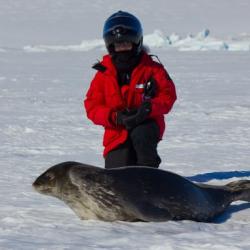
202,41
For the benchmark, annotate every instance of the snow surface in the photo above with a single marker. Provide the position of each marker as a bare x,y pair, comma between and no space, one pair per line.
42,121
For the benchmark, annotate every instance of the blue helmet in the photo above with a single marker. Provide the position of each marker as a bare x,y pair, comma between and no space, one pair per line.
122,27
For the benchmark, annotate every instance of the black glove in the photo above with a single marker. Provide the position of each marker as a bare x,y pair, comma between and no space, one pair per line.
123,115
139,116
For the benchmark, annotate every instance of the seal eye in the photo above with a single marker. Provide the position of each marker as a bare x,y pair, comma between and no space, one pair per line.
50,176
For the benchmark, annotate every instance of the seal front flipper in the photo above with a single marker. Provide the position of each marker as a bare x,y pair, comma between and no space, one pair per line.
145,211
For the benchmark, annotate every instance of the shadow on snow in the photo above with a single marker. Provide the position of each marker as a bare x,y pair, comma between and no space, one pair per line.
218,176
230,210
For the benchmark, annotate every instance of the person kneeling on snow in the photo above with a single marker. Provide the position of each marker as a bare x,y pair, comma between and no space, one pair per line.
129,96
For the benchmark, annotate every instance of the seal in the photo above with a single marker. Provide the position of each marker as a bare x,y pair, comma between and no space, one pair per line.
137,193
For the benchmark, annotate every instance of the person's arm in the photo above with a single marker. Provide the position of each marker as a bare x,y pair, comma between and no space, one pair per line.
165,96
94,103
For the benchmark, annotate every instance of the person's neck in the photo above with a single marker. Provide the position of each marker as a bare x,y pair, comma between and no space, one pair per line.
126,61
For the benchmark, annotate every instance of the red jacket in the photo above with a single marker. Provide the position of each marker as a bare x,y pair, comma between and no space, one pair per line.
105,96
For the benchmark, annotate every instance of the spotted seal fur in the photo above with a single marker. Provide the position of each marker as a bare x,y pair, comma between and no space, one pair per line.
137,193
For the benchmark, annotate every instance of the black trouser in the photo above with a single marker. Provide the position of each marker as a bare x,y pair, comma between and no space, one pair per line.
140,149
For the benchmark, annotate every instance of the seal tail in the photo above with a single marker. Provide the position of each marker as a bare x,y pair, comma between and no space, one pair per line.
240,190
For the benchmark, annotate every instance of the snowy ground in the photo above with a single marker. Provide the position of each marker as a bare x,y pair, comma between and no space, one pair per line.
42,122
